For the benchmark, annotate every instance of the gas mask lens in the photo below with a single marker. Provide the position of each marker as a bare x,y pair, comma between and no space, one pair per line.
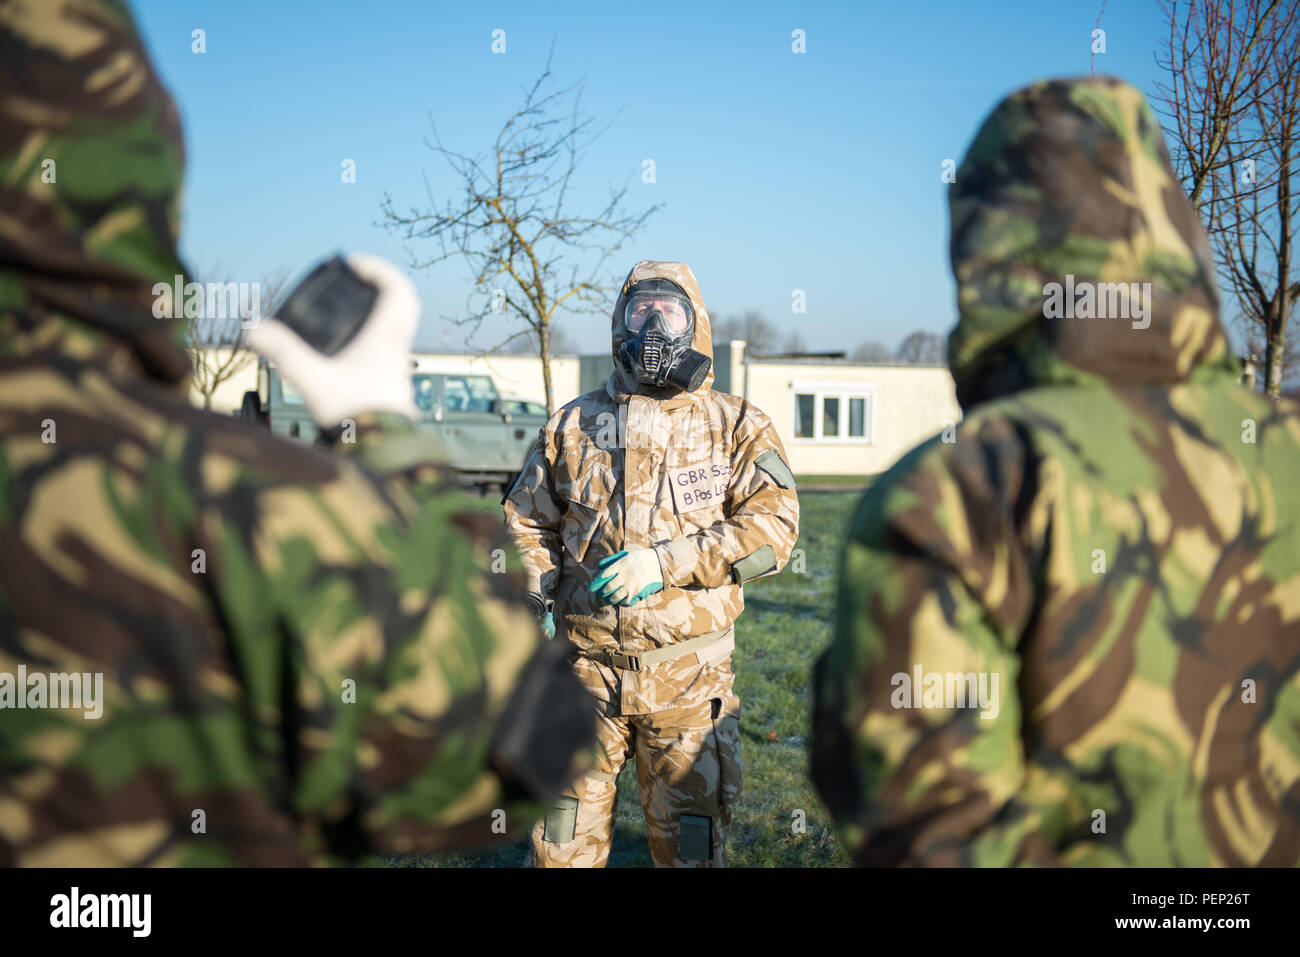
677,313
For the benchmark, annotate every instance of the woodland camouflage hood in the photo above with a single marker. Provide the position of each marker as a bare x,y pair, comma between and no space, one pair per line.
1068,182
91,159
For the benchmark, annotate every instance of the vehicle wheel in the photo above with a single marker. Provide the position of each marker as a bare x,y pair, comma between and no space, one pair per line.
250,410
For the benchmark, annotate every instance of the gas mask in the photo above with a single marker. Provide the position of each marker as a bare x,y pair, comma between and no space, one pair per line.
660,324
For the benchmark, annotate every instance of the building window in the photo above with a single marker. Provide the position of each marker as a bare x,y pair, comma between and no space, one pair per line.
804,423
830,416
833,413
857,418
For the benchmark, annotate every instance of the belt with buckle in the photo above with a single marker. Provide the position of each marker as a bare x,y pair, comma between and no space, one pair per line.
624,661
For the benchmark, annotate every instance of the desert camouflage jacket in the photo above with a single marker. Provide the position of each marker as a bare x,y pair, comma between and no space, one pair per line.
701,477
1068,632
216,647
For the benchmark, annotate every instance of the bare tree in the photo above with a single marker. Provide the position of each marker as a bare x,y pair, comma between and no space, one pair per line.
1257,223
1232,111
926,347
215,338
794,344
1257,345
760,335
870,351
511,222
561,343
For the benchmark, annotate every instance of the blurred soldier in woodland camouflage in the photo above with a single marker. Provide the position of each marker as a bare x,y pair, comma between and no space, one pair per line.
218,647
1069,630
640,513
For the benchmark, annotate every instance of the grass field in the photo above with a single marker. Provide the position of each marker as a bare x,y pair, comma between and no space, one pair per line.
847,481
785,626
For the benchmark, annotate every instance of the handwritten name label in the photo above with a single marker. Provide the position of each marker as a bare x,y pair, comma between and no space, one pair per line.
700,486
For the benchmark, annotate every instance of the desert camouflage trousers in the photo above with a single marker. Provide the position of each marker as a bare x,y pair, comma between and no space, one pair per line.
688,767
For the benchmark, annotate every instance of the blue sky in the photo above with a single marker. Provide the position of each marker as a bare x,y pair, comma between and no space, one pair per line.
778,171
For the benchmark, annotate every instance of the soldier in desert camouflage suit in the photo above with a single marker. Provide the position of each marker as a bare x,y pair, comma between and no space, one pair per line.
700,478
1114,534
301,659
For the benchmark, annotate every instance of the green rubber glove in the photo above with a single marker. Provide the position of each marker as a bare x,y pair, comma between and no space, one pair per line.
629,577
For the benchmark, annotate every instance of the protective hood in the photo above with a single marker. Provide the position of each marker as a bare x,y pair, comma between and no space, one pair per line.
620,383
1065,200
91,159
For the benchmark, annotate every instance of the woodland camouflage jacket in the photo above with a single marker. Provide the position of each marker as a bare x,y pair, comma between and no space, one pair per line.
1070,634
295,660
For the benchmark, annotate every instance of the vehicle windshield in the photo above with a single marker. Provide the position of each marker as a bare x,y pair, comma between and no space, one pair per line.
424,392
517,406
460,393
289,394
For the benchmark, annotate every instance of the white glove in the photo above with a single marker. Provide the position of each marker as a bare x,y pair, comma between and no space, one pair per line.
372,373
629,577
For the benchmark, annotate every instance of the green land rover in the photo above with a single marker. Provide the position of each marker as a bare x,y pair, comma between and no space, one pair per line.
483,436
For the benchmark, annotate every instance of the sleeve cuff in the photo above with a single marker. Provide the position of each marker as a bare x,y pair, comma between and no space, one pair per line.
534,582
677,560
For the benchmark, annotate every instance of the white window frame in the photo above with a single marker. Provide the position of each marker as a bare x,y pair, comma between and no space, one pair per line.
834,390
